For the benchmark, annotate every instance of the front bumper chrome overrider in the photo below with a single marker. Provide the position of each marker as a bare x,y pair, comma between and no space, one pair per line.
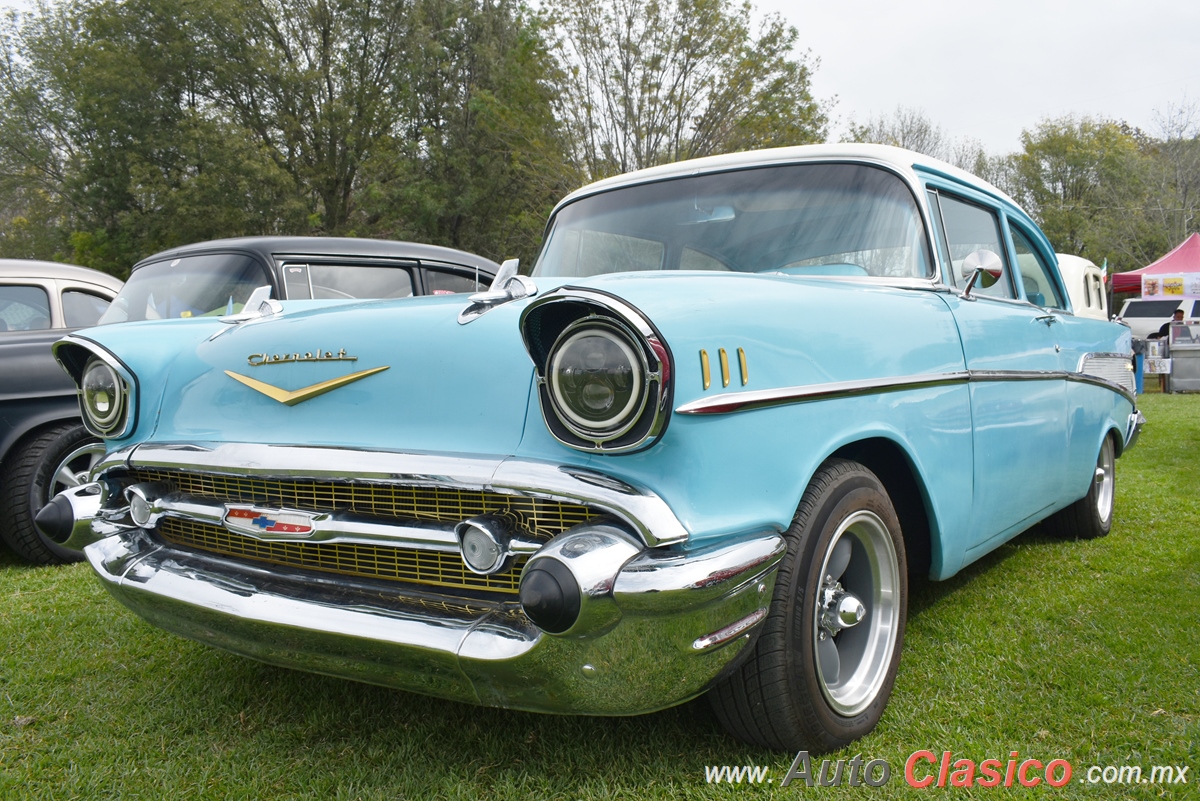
657,622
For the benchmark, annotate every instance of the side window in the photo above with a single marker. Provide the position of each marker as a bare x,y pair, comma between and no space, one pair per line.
1039,286
82,309
444,282
970,228
357,281
24,308
939,236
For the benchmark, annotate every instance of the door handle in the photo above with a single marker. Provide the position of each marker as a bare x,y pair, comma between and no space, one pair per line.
1048,319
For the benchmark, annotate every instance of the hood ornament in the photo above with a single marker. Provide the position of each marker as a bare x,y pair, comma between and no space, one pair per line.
506,286
292,397
258,306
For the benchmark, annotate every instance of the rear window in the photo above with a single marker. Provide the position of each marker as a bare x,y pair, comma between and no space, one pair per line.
1150,308
210,285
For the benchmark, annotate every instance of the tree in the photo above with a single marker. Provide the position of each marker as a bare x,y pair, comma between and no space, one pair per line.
1067,174
655,81
105,135
906,127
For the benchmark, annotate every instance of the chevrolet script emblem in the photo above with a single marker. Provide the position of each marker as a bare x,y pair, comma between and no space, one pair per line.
268,524
292,397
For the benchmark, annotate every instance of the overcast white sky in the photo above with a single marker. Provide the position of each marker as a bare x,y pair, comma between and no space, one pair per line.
987,69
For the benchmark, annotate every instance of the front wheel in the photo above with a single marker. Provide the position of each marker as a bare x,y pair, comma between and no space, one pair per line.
1091,516
822,669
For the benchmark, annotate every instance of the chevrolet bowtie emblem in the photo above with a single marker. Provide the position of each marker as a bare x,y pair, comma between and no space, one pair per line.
291,398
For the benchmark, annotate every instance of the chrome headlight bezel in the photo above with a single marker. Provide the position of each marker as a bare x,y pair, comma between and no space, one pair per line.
562,318
78,357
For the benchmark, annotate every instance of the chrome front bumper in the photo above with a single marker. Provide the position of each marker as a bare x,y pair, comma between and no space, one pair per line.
658,617
675,618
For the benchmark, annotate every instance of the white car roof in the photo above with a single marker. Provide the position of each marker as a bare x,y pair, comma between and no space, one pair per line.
903,161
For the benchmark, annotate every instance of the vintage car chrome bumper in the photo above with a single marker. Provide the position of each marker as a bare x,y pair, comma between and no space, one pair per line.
608,611
666,626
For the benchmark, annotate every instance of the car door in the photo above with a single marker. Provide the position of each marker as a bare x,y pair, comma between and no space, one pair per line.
1017,387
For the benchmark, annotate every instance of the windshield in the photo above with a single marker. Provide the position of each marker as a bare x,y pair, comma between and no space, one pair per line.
192,286
813,219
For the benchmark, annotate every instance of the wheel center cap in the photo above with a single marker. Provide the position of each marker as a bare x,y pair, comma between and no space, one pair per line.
840,609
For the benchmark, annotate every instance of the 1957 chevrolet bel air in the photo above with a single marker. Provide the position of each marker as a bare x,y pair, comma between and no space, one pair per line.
700,448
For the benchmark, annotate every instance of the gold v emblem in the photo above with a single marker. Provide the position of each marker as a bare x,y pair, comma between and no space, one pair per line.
300,395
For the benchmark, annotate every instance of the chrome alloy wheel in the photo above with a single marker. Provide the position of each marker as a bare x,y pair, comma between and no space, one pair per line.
74,469
857,614
1105,478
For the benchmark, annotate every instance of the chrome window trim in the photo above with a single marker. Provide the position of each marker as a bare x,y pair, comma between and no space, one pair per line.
645,512
759,399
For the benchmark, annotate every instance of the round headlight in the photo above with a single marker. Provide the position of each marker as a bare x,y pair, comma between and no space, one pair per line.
103,396
597,380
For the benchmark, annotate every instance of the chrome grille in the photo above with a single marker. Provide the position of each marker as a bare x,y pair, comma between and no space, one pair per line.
531,517
434,568
534,517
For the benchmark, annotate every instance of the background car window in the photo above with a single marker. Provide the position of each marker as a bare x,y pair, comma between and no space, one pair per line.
1151,308
970,228
1039,288
444,282
24,308
295,280
82,309
191,286
356,281
1195,309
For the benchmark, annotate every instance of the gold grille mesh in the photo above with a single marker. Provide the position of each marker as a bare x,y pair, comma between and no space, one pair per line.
538,518
532,517
435,568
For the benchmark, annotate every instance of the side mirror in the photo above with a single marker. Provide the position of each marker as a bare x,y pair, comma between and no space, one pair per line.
983,267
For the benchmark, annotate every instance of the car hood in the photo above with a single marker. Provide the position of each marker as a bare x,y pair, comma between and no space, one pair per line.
418,381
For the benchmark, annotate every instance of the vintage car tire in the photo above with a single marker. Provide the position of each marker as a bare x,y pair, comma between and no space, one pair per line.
1091,516
777,697
35,471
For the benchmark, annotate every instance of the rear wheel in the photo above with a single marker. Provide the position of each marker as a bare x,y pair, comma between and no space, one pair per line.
1090,516
822,669
35,471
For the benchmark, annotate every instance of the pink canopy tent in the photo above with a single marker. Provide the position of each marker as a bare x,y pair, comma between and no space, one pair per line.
1183,259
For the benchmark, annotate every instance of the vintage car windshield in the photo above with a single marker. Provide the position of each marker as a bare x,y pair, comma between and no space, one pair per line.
808,219
192,286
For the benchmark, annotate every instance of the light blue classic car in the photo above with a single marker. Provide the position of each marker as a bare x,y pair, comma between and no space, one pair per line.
701,447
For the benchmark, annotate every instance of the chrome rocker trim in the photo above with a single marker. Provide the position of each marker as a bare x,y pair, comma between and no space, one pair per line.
642,510
680,617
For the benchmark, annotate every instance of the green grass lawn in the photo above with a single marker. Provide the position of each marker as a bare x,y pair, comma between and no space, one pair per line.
1083,651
